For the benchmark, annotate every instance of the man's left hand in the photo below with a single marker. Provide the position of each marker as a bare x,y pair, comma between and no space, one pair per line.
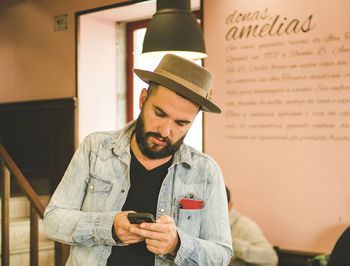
161,237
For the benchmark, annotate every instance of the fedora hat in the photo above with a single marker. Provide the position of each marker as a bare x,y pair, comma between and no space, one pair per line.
185,78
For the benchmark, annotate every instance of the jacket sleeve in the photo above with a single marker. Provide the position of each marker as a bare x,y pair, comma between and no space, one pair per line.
213,246
63,219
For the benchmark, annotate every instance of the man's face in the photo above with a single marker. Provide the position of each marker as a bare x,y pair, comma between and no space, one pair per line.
163,122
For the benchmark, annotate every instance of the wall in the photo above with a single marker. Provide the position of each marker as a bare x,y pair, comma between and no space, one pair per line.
97,94
37,62
298,192
283,82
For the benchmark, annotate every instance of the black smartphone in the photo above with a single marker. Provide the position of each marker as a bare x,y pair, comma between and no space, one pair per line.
141,217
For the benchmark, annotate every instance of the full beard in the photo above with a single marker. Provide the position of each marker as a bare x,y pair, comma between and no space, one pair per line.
152,151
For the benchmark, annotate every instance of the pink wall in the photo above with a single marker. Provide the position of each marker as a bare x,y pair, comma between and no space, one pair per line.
294,182
37,62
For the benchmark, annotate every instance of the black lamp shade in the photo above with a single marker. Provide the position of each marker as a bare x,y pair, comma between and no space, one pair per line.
174,29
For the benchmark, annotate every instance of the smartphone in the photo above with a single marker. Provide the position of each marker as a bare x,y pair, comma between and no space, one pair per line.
141,217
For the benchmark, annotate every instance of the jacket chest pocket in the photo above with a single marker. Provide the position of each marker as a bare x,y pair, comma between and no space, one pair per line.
190,221
97,192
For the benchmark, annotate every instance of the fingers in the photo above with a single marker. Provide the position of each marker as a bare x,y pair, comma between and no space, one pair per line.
122,229
147,233
162,224
161,237
133,239
156,242
167,244
166,219
156,247
127,237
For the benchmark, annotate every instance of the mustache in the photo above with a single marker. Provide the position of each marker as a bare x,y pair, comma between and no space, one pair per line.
158,136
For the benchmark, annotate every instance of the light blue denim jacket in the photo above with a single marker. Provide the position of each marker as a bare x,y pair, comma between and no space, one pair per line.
94,189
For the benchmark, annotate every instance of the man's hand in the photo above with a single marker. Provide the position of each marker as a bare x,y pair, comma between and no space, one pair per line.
122,229
161,237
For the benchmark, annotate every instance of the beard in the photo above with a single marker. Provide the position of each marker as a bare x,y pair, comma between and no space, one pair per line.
152,151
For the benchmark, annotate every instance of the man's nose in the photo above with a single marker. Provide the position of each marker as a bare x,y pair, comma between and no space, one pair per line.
165,129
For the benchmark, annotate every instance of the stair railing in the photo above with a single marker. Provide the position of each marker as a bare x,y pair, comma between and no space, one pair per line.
8,168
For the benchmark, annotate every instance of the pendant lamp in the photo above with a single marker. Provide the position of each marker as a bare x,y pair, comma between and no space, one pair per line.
174,29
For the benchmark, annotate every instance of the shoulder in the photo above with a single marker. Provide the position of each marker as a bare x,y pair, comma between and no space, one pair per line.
200,159
242,221
100,144
97,139
203,163
197,166
109,139
205,166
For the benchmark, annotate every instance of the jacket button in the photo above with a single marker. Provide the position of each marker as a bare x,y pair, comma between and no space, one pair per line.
122,191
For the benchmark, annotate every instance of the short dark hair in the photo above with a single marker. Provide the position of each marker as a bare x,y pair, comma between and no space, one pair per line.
228,194
152,88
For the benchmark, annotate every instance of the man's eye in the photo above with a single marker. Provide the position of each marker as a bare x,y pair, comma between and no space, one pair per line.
181,124
160,114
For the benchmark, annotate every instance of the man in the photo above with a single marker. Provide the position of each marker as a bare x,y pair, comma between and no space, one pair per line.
146,167
249,243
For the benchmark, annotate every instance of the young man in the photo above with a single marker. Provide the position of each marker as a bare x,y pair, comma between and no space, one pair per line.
146,167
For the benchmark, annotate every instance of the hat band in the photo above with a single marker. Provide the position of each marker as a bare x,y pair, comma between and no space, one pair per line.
183,82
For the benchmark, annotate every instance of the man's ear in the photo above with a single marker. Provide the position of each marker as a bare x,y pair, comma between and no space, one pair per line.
143,97
230,206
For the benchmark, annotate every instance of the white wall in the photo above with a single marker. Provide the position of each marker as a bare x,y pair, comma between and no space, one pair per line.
97,68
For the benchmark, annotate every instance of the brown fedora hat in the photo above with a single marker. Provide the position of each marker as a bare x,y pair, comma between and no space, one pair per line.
185,78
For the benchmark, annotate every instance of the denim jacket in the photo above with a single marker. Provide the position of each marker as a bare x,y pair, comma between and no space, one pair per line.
94,189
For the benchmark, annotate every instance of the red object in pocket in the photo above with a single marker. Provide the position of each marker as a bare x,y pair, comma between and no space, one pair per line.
191,204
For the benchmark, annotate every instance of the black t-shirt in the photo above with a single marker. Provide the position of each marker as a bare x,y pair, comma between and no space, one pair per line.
142,197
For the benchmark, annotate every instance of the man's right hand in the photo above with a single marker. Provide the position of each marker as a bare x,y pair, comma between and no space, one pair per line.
122,229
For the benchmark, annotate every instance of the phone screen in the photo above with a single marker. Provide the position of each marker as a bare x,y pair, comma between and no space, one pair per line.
140,217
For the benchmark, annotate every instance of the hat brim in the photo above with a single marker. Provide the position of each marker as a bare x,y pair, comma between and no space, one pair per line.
149,76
